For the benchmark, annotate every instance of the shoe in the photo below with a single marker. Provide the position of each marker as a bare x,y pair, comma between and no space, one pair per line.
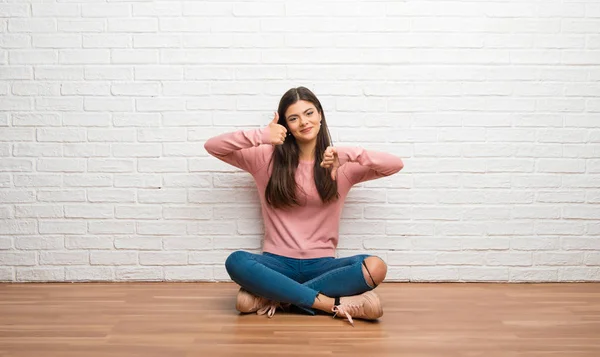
248,302
365,306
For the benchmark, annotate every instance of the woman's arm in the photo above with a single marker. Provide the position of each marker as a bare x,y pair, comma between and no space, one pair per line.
360,165
245,149
240,148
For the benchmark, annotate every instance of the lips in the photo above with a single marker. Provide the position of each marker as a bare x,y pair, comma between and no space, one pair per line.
304,131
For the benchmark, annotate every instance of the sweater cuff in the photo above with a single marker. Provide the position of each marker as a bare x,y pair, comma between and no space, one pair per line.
344,154
265,135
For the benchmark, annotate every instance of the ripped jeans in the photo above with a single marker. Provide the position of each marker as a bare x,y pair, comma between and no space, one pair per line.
297,281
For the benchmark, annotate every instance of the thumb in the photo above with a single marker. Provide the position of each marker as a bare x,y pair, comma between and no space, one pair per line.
334,173
276,118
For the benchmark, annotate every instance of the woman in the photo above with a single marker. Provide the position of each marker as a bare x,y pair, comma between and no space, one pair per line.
303,182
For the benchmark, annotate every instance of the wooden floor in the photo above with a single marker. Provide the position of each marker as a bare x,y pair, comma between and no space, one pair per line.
198,319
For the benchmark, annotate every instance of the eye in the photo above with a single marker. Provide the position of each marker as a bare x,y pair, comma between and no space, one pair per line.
310,113
292,119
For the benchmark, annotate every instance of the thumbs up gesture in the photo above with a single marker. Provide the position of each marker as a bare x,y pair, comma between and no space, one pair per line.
278,132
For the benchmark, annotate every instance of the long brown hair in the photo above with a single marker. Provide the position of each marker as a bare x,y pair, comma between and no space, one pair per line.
282,187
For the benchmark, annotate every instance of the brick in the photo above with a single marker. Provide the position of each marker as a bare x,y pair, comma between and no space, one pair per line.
136,119
166,165
111,227
55,10
434,274
111,195
16,72
133,180
137,273
7,274
185,212
87,180
245,243
40,274
533,274
17,196
32,25
161,228
8,258
138,243
86,150
575,274
109,73
60,135
558,258
85,56
187,180
484,274
209,257
61,195
136,150
192,273
187,243
60,165
411,258
39,211
88,211
82,274
81,25
105,10
128,25
163,258
509,258
104,135
212,228
89,242
16,165
100,104
114,258
35,119
138,212
170,195
65,258
62,227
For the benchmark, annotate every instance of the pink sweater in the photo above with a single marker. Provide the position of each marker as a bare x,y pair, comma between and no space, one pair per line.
310,230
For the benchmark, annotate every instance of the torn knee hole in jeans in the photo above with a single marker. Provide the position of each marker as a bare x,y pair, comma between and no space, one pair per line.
370,276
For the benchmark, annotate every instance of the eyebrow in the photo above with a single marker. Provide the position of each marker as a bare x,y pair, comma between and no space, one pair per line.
295,115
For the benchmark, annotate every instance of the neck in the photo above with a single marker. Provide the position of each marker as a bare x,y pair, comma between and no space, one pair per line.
307,150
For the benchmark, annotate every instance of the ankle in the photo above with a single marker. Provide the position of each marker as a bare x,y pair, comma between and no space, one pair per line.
323,303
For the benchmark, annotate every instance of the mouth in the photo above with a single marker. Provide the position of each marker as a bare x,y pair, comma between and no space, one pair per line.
304,131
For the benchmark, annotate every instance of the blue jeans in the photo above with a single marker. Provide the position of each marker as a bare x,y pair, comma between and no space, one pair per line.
297,281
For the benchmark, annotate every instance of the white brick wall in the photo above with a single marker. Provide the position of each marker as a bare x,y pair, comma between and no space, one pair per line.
493,105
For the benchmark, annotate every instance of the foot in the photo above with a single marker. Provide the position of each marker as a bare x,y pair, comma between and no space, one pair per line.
248,302
365,306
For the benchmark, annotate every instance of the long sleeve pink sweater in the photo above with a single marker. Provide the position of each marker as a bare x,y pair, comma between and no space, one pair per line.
312,229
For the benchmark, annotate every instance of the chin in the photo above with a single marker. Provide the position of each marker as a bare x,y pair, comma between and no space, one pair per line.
306,138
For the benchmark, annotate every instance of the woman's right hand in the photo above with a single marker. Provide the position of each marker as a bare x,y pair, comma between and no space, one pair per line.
278,132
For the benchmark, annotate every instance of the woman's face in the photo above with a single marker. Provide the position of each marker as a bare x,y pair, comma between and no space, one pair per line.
303,121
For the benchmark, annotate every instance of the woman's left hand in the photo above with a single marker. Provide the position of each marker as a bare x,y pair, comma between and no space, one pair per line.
331,160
